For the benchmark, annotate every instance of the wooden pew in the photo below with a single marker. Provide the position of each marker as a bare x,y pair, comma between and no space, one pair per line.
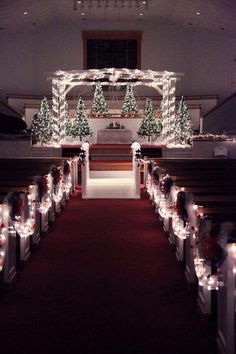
211,185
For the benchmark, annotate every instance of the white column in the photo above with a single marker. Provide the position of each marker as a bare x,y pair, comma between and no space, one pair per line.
165,105
55,112
169,109
62,117
172,113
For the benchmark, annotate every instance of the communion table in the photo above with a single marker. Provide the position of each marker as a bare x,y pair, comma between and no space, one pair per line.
114,136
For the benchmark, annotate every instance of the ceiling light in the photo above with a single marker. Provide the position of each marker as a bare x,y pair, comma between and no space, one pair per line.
25,13
144,2
79,2
198,13
141,14
82,13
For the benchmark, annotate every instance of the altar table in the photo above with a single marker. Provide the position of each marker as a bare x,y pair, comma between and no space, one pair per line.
114,136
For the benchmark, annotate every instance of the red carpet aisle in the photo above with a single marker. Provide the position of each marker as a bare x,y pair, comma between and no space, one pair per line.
104,281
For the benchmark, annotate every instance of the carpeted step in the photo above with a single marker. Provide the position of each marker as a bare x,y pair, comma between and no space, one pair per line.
111,188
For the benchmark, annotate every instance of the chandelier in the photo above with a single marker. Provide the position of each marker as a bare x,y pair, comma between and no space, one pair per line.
139,5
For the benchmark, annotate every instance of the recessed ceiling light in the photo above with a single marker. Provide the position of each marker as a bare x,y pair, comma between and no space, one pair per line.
198,13
144,2
82,13
79,2
26,12
141,14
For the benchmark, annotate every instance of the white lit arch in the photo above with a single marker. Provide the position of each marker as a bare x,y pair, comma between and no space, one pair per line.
163,81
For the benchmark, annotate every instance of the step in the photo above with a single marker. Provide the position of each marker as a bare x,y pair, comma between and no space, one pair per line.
110,157
111,174
102,165
111,188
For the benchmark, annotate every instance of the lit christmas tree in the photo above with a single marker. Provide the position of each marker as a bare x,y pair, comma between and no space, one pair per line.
99,104
80,126
129,103
183,128
68,124
148,125
41,127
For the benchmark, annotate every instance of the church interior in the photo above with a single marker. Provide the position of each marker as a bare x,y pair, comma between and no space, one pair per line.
117,185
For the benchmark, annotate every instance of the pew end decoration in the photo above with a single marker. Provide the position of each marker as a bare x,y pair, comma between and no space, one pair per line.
44,192
84,152
22,212
208,254
67,178
4,213
57,187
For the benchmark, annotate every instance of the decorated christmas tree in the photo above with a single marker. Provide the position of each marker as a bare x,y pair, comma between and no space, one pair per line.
183,128
41,127
68,124
80,126
99,104
148,125
129,103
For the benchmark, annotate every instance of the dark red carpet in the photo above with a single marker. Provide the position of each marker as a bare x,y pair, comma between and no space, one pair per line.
103,281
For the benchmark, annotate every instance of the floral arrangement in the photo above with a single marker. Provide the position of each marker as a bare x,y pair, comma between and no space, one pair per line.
16,205
180,205
56,175
66,168
165,185
42,184
115,125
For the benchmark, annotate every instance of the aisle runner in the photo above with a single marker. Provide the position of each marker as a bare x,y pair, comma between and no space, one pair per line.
104,281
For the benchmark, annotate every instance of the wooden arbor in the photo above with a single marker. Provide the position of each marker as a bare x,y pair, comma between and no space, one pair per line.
163,81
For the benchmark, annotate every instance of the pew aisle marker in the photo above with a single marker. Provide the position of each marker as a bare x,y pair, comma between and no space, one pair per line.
26,228
4,213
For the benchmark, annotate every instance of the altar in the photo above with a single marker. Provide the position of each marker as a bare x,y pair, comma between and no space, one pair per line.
114,136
